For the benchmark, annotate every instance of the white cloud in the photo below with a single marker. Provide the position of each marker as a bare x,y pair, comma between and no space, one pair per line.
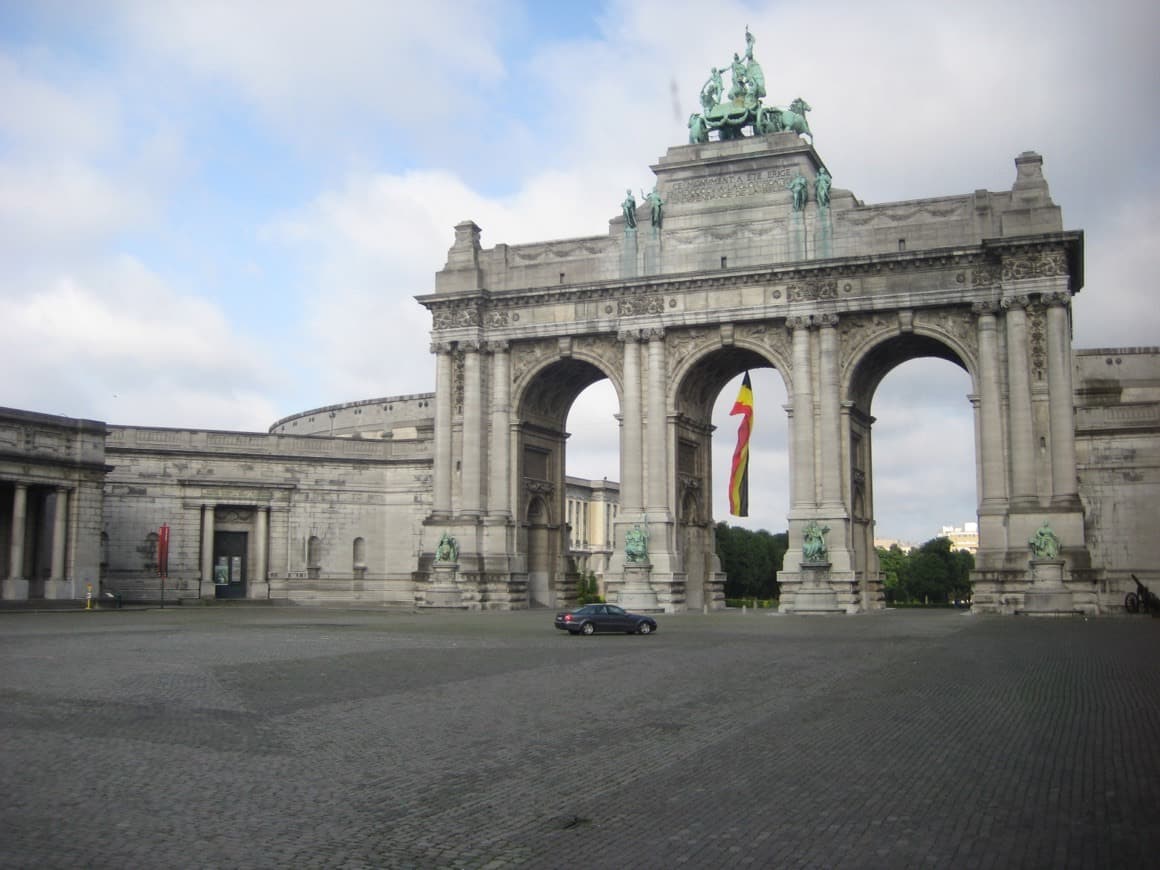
309,66
115,343
38,115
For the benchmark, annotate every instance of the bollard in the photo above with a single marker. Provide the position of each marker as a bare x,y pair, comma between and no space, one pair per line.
88,596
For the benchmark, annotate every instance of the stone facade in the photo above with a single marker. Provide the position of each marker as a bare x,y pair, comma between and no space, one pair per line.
52,470
309,519
349,503
1118,462
737,276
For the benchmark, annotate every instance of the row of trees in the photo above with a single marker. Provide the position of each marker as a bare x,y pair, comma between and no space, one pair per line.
930,574
750,561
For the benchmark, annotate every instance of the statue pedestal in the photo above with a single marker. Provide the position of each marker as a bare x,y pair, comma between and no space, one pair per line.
815,595
636,593
1047,596
809,591
443,591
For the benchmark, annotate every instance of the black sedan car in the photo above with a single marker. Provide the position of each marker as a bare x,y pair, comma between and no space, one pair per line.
592,618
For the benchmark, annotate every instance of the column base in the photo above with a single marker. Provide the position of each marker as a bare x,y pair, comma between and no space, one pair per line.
58,590
14,589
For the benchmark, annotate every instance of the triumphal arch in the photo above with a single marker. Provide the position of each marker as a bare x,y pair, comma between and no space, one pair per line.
746,254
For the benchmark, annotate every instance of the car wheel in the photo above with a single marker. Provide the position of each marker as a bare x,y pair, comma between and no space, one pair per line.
643,628
588,628
1132,602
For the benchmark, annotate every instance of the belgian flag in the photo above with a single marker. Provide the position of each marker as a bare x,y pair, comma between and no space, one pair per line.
739,475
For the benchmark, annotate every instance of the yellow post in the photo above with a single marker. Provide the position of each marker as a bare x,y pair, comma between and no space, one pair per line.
88,596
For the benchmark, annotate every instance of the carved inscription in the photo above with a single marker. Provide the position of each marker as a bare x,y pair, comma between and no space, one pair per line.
727,186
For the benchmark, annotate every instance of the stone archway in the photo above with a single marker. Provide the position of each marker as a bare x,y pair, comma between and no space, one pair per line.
742,275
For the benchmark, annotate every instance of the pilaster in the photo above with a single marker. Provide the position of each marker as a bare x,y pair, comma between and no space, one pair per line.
1020,422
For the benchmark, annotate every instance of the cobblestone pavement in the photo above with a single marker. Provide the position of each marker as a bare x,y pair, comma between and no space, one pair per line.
294,737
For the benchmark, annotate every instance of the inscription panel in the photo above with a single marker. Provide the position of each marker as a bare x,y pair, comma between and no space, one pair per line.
727,186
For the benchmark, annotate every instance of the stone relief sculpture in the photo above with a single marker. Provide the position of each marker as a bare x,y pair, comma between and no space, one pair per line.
814,543
1044,543
448,549
636,545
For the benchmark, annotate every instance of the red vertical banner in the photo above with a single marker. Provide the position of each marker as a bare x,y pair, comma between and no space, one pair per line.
163,550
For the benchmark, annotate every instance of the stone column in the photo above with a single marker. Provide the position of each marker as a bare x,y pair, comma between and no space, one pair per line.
631,452
658,465
261,588
207,586
499,456
1020,424
993,488
472,482
802,482
441,497
1064,487
59,533
830,415
57,585
15,586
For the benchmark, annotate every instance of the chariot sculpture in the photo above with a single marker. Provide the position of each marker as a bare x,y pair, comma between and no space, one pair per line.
730,113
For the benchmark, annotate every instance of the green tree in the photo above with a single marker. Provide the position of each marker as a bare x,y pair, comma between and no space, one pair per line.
750,561
931,574
892,564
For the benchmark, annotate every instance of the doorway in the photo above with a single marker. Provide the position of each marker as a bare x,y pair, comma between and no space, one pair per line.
229,564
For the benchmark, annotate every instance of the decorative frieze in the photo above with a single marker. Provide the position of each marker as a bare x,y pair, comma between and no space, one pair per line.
636,305
1034,264
455,318
808,291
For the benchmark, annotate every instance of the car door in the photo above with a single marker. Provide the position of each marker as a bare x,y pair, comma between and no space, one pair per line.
618,619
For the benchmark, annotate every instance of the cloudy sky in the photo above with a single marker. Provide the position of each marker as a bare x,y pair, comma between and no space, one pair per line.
214,214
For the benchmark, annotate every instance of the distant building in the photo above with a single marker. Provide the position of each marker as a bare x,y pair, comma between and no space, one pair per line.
887,543
592,506
965,537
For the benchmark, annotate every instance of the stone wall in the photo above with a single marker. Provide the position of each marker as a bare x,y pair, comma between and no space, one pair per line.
51,475
318,496
1118,461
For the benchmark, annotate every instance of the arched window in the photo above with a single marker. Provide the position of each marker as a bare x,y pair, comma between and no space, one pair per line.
360,557
313,556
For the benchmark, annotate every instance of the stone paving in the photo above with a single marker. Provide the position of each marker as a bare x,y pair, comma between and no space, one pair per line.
294,737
